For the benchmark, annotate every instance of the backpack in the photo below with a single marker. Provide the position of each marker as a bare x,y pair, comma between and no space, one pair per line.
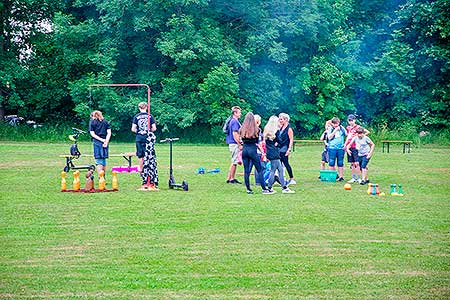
226,125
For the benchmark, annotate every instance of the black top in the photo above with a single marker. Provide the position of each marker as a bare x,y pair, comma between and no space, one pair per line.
250,141
141,121
272,151
283,139
100,128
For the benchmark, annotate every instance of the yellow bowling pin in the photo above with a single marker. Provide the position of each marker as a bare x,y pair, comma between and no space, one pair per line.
76,181
101,181
63,181
115,182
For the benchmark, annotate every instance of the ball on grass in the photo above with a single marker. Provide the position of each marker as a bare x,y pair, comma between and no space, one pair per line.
347,186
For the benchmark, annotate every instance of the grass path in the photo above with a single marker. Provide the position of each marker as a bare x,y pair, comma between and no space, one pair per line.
217,242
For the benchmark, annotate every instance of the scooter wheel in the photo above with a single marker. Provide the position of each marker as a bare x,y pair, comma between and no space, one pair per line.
185,185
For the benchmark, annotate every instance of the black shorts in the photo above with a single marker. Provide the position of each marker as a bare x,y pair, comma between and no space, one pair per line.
325,156
140,149
354,157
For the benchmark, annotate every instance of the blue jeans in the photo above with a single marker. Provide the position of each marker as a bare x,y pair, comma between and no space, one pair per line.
334,154
250,158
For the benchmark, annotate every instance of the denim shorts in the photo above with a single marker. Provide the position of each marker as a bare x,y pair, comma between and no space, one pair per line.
363,161
334,154
100,161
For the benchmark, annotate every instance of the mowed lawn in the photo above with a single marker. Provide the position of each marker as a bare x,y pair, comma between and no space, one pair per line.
217,242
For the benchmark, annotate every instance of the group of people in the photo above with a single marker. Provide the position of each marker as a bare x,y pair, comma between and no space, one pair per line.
249,145
144,128
354,141
247,142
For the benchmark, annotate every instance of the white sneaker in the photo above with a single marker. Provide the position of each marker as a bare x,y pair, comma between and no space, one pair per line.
268,192
359,180
287,191
353,180
291,182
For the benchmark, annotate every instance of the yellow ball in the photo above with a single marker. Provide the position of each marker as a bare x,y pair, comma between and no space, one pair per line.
347,186
382,194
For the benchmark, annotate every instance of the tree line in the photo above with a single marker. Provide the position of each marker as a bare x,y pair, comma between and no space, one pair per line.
386,61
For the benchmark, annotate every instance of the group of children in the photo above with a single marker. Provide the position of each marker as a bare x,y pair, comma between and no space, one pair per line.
354,141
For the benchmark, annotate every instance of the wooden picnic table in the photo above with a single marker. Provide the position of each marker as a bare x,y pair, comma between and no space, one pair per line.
406,144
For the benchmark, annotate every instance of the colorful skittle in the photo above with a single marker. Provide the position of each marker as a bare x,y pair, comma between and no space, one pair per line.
76,181
63,181
369,189
115,182
393,189
101,181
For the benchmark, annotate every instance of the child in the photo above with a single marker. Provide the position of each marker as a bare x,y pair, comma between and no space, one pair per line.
273,155
100,131
324,138
145,147
336,151
365,148
353,157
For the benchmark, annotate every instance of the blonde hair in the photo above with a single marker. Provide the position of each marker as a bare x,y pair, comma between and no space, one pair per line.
257,119
249,129
142,105
284,116
271,128
96,114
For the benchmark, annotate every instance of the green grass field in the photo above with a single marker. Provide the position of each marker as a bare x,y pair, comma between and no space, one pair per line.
217,242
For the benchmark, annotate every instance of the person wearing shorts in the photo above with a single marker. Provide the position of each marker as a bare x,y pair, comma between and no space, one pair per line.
100,132
336,135
352,155
145,140
234,143
365,148
324,138
140,127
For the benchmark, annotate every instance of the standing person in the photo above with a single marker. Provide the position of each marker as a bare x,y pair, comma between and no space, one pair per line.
365,148
324,138
145,147
100,131
261,155
352,155
234,142
336,135
285,136
273,155
249,134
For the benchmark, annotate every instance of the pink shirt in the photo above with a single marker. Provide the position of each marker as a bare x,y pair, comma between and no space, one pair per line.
351,134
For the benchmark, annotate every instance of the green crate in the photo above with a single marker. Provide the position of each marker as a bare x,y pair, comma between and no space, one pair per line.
328,175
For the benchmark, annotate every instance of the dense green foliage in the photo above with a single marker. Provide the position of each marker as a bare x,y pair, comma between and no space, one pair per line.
386,61
217,242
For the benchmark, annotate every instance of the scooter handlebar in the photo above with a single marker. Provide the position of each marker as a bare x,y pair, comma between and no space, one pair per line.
169,140
76,130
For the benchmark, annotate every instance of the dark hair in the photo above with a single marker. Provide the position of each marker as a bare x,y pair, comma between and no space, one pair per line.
335,120
360,130
249,129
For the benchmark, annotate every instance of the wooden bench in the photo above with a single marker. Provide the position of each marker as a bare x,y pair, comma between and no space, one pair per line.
70,165
306,142
406,144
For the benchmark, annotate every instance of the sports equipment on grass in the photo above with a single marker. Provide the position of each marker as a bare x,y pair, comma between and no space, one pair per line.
172,183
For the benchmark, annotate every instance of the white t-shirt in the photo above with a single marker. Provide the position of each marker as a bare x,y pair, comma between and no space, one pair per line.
362,145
